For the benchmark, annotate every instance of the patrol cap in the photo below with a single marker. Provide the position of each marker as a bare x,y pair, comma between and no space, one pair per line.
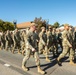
33,24
66,24
42,27
50,27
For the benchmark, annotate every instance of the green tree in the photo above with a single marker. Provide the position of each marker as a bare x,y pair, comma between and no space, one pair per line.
40,22
6,25
56,25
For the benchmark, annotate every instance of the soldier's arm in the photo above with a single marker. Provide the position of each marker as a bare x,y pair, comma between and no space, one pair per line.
47,38
28,45
65,39
41,39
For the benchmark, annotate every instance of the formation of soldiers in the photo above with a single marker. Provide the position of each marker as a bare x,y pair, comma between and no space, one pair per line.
32,43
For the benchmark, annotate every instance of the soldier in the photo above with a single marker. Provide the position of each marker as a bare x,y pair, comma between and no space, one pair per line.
0,39
50,40
23,33
12,40
43,43
74,34
59,38
17,41
8,39
31,47
55,43
67,45
3,41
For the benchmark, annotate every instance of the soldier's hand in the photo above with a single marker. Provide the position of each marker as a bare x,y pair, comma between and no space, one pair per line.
70,46
46,44
33,50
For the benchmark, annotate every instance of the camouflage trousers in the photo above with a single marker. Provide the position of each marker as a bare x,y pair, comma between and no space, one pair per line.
22,45
17,44
43,49
8,44
65,51
3,44
51,48
27,56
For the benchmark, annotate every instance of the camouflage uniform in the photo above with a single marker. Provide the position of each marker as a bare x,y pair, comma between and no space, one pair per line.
3,41
67,42
22,40
43,43
74,34
31,43
17,41
8,39
31,46
50,40
55,43
59,38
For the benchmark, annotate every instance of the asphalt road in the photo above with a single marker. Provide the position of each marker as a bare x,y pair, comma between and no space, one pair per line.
11,63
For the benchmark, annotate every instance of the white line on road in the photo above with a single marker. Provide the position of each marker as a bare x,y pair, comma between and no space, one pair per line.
7,65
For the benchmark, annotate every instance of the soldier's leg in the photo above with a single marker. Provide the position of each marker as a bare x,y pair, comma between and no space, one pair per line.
22,45
28,51
37,60
23,51
38,63
74,48
1,45
61,46
46,54
71,56
14,46
65,51
6,46
56,46
53,50
9,45
40,48
19,47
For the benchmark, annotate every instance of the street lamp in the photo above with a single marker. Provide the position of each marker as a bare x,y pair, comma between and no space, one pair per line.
47,21
15,23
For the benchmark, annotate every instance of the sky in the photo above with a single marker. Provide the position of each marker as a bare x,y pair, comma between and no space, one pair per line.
62,11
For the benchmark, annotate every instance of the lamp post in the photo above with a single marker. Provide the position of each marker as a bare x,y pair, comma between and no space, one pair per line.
15,23
47,21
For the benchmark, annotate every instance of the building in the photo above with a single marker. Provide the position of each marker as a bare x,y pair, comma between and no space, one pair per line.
23,25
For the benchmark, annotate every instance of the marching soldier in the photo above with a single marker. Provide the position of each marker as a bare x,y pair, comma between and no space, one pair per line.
74,40
23,35
31,47
43,43
50,40
3,41
17,41
59,38
8,39
67,45
55,43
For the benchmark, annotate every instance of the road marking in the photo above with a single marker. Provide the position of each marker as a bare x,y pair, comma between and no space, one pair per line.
7,65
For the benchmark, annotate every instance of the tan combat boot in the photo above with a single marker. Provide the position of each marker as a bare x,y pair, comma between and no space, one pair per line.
25,68
40,70
72,63
47,59
23,52
19,52
13,51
